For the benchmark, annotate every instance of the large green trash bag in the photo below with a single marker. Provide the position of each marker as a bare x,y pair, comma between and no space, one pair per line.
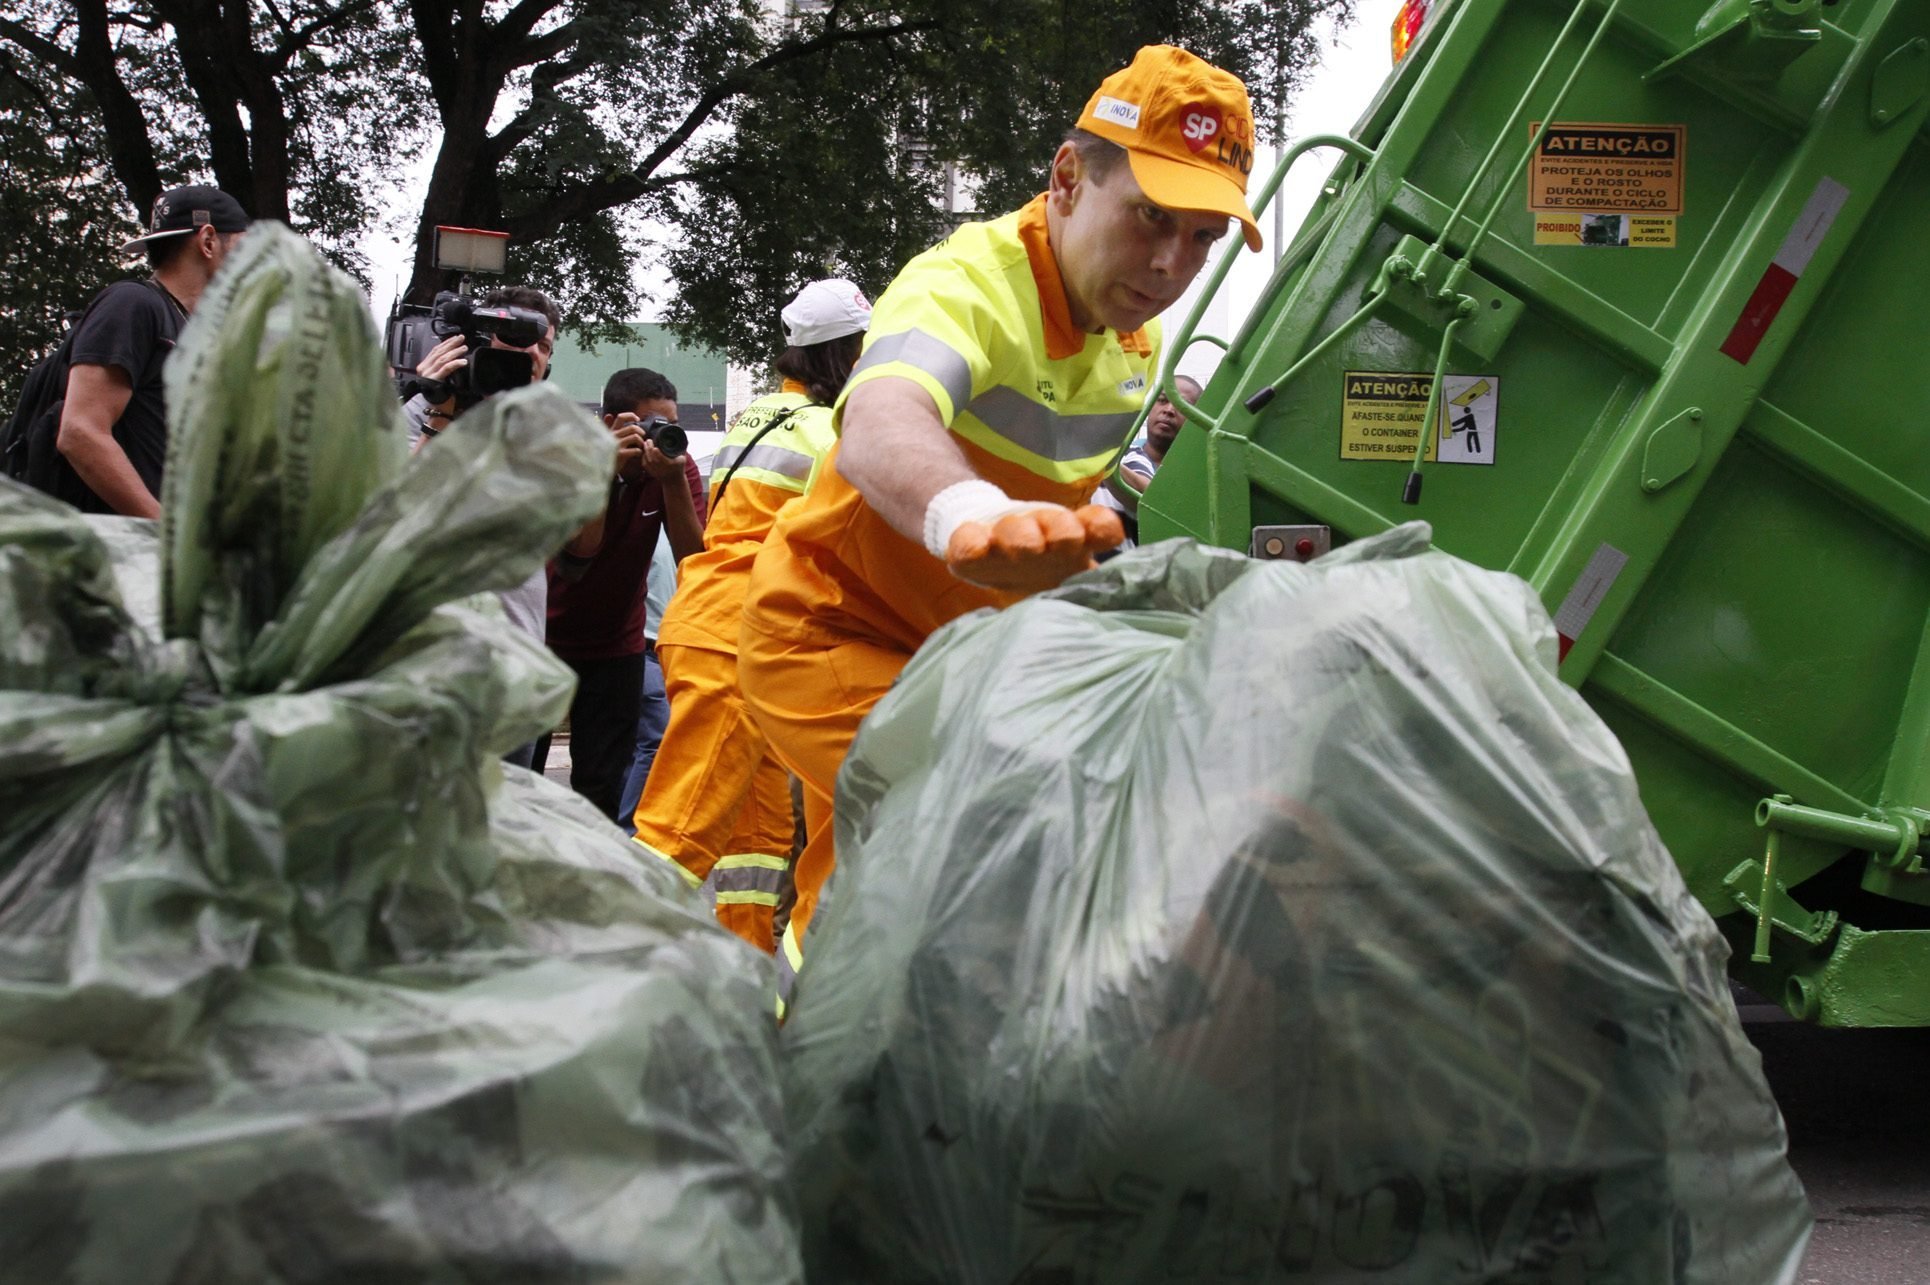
296,983
1213,920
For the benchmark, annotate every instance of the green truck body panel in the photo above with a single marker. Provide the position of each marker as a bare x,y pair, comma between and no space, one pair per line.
1705,448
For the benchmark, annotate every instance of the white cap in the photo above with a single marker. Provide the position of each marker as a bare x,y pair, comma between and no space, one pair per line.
825,310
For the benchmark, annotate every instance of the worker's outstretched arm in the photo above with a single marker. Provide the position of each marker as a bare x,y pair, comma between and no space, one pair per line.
898,452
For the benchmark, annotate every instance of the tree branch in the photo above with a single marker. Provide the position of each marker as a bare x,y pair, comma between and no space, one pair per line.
541,48
591,198
297,39
281,19
130,150
543,84
744,77
10,68
520,21
40,47
135,18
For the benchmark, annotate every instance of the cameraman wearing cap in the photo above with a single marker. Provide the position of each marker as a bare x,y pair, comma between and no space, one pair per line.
1001,374
597,599
113,431
717,803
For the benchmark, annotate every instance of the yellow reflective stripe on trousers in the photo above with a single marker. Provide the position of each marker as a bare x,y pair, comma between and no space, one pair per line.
790,958
749,879
689,878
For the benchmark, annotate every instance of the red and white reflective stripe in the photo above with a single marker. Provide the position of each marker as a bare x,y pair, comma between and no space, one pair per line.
1578,608
1798,248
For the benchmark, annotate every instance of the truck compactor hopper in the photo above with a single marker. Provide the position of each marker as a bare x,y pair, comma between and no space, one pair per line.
1656,279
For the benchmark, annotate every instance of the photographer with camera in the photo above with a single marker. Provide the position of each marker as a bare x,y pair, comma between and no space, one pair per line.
597,600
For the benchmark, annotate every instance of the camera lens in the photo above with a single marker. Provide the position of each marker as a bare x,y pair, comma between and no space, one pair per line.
670,439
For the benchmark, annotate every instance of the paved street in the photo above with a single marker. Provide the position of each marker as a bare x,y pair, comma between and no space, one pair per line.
1858,1108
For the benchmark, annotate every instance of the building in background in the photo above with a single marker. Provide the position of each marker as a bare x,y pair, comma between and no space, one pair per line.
702,376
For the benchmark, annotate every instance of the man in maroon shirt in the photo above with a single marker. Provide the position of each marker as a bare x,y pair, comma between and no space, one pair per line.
596,588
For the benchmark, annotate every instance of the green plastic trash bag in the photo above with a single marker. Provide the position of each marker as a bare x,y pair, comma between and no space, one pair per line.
1214,920
297,983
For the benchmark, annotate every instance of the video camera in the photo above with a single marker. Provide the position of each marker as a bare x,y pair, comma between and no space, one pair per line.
414,330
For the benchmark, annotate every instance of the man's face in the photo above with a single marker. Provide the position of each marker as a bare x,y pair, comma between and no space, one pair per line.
1124,260
1163,421
539,352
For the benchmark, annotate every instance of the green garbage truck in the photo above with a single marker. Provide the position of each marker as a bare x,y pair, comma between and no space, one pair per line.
1628,297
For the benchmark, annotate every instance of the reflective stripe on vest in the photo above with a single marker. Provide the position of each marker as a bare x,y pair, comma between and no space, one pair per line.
765,458
1072,447
1035,427
928,353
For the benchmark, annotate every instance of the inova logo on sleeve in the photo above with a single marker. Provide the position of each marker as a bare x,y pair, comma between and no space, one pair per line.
1117,111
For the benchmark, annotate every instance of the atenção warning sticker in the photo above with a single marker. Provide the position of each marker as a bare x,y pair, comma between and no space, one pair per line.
1381,413
1607,185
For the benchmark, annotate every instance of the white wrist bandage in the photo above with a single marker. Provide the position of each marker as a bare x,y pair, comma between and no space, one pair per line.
975,500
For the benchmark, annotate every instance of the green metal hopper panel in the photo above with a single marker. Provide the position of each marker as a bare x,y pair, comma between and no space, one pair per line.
1672,268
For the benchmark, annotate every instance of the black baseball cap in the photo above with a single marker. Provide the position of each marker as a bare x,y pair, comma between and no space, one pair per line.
183,209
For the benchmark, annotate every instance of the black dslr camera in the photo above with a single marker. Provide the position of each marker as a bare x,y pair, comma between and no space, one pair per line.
665,435
414,330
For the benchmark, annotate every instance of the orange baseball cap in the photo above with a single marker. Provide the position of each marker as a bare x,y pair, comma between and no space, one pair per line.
1187,128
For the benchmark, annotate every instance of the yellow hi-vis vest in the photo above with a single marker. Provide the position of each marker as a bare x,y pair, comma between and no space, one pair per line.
980,322
767,470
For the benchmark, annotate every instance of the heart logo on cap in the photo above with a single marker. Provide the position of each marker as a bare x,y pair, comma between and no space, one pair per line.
1199,126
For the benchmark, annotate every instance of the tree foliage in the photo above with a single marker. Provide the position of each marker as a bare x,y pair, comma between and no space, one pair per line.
749,149
64,216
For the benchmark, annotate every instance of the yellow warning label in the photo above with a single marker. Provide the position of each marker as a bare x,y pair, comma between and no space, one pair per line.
1381,413
1655,233
1648,233
1608,169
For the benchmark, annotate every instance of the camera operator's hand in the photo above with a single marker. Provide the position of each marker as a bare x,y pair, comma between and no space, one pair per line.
665,468
437,365
444,360
630,444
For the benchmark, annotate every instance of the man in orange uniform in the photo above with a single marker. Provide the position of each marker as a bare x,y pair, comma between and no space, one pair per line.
1002,372
717,803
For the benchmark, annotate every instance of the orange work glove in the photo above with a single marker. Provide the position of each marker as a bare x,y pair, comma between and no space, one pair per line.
990,539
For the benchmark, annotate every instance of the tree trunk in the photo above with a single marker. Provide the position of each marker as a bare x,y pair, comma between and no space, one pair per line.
130,150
